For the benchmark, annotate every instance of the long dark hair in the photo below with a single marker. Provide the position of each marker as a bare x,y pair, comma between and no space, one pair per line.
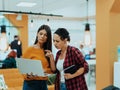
48,44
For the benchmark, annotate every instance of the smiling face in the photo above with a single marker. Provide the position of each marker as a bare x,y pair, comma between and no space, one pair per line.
42,36
58,43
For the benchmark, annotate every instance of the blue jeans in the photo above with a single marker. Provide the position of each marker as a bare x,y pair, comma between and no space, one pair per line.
63,86
35,85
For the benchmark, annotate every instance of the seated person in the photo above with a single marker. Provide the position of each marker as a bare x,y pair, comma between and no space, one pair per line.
10,61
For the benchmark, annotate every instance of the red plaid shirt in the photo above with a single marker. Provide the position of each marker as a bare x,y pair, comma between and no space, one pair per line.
73,56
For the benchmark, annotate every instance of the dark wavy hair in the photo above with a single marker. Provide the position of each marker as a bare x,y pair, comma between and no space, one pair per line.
48,44
63,33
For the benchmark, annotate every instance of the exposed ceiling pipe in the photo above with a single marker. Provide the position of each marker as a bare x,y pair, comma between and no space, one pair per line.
31,13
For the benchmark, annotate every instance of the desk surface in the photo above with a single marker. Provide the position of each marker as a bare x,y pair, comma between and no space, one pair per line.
13,79
91,62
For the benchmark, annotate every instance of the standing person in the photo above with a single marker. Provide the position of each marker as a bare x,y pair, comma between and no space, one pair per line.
82,49
17,45
66,57
37,51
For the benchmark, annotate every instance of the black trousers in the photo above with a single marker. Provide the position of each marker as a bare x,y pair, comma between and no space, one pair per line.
35,85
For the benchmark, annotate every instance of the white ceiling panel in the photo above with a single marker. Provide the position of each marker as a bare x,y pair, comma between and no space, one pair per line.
73,8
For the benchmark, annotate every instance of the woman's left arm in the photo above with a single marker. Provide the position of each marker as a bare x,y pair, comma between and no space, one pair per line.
79,59
77,73
84,67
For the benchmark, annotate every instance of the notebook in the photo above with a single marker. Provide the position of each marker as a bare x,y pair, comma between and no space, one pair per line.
29,65
72,69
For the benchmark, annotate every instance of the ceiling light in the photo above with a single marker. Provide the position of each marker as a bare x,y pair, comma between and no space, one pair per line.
3,39
87,35
48,23
31,22
26,4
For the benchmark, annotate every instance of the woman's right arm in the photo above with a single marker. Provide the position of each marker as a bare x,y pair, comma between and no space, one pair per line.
52,61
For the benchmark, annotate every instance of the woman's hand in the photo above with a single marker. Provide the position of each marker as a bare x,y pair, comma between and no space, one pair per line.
31,76
77,73
68,76
48,53
34,77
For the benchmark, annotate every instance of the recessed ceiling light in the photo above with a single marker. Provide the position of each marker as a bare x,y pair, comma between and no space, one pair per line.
26,4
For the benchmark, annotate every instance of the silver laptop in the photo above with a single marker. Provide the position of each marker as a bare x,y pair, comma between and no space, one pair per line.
27,66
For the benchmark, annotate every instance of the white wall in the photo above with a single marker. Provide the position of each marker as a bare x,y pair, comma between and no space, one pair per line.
10,29
75,28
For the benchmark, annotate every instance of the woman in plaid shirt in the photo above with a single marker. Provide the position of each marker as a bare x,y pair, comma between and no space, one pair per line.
65,57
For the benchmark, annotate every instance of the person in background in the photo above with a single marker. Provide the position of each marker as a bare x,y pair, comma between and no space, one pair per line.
65,57
17,45
10,61
39,51
82,49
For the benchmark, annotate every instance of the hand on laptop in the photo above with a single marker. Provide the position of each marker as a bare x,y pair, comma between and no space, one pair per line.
34,77
31,76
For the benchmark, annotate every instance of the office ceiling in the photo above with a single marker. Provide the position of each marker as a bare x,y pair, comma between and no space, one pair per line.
68,8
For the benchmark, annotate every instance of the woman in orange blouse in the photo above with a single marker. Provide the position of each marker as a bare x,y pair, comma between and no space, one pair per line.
40,51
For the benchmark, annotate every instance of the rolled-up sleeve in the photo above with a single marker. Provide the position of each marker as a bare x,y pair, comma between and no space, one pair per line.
81,60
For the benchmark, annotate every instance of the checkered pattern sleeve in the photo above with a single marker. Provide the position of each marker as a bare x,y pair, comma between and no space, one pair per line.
74,56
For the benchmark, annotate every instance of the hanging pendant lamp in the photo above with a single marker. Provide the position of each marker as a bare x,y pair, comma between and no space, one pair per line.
87,35
3,39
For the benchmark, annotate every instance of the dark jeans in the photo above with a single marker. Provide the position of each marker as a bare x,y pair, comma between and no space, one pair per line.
63,86
35,85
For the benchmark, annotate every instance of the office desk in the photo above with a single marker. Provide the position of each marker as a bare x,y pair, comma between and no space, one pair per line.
91,61
13,78
92,69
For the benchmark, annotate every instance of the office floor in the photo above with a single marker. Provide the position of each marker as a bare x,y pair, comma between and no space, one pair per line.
92,85
91,81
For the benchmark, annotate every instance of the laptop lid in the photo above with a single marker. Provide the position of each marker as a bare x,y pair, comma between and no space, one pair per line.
29,65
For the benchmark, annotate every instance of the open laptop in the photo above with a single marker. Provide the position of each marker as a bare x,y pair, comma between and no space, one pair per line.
28,65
